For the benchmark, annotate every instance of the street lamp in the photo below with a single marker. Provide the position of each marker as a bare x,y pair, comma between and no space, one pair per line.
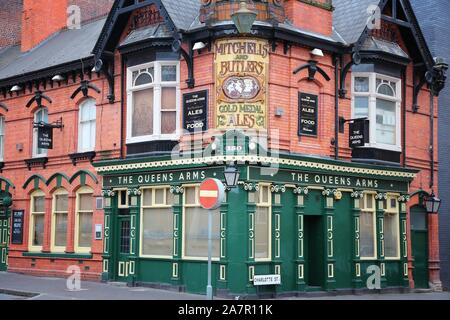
432,203
244,18
231,175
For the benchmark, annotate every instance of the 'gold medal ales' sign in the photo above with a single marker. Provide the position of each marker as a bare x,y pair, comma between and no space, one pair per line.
241,83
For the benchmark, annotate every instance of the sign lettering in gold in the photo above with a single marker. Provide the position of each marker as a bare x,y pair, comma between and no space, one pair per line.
241,83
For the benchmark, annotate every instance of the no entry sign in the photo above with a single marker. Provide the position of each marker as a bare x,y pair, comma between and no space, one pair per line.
212,193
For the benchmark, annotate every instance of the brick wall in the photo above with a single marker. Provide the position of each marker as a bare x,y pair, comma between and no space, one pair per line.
433,18
91,9
10,22
310,15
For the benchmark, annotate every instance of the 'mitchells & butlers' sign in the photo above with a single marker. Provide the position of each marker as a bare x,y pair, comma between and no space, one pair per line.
241,83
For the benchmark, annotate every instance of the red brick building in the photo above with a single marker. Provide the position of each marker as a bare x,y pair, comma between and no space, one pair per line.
307,69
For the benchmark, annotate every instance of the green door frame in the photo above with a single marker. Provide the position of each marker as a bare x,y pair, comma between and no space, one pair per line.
4,238
419,245
123,245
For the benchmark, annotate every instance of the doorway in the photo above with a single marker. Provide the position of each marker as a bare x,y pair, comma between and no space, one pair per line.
123,246
419,243
314,252
4,239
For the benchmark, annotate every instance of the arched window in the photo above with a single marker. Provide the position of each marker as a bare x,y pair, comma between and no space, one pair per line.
40,115
37,214
87,123
83,220
2,138
59,220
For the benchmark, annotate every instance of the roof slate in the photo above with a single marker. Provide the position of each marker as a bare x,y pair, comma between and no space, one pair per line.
183,13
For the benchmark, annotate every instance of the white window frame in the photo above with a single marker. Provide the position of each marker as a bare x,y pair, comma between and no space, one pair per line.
373,210
31,247
157,86
53,246
81,138
35,136
2,138
373,95
194,205
393,211
83,190
154,205
268,205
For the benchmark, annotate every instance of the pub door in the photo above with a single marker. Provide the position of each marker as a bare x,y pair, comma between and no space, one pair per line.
4,240
123,248
419,243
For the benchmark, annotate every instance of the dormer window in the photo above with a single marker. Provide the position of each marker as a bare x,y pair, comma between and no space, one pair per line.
378,98
153,102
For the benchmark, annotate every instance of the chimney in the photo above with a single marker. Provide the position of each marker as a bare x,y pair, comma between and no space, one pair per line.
10,22
311,15
41,19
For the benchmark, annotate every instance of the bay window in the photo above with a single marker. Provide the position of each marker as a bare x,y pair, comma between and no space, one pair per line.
86,126
378,98
367,247
153,102
195,227
157,222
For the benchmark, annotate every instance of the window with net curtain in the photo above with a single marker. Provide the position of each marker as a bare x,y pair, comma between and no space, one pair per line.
85,211
87,126
37,217
263,200
391,229
41,115
196,227
157,222
377,98
367,234
153,92
60,212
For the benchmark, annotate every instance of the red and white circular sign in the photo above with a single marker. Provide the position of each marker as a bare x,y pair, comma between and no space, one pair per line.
212,193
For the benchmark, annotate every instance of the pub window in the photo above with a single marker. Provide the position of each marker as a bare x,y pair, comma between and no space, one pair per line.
378,98
37,214
153,102
368,227
2,138
86,126
263,226
195,227
41,115
391,229
59,220
83,219
157,222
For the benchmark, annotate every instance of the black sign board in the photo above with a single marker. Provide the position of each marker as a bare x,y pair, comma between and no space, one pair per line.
307,111
45,137
359,133
195,111
17,226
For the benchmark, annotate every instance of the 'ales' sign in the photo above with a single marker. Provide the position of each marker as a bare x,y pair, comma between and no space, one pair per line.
307,114
241,83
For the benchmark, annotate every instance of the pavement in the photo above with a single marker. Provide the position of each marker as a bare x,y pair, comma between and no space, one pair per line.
24,287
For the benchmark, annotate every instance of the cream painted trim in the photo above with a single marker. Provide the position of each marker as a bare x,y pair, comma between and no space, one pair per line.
153,206
31,248
83,190
345,190
119,197
280,161
53,247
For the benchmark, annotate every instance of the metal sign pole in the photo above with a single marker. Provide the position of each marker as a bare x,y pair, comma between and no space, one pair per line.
209,291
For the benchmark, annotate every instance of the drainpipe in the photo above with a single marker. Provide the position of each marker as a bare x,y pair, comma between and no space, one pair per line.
432,138
122,104
336,107
404,115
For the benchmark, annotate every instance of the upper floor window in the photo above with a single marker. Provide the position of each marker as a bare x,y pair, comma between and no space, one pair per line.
40,115
2,138
378,98
87,120
153,102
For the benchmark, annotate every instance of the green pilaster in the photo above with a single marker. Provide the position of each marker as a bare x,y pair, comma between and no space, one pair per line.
404,241
251,210
108,258
222,282
300,194
330,282
177,233
380,200
356,212
134,205
277,259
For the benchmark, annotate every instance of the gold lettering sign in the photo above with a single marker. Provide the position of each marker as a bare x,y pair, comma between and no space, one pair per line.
241,83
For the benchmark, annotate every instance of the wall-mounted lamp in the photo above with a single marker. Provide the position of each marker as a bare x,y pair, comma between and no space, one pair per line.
16,88
432,203
199,46
244,18
317,52
58,77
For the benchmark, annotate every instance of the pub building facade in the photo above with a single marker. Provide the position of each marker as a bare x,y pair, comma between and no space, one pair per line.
314,109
